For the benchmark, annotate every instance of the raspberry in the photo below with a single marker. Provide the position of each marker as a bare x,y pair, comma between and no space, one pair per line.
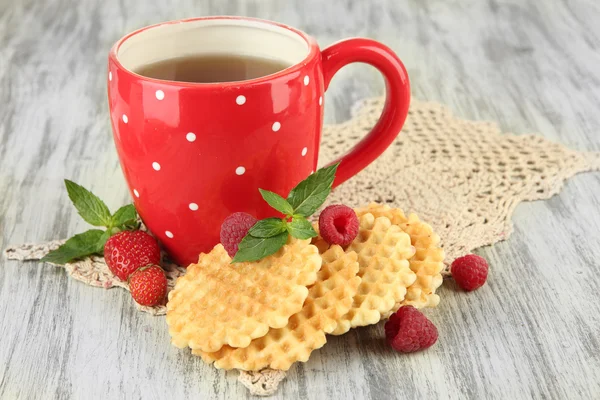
338,224
408,330
470,272
233,230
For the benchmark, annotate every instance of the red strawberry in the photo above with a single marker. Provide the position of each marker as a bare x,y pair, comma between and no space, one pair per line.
129,250
148,285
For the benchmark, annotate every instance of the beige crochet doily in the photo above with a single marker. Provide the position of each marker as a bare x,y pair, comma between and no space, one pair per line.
463,177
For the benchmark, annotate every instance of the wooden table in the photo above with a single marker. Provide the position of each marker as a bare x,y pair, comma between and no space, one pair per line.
532,332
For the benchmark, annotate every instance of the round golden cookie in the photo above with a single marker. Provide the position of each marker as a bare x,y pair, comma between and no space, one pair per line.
428,261
218,303
383,250
328,300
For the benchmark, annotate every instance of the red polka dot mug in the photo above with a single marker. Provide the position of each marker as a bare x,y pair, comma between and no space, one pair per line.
193,153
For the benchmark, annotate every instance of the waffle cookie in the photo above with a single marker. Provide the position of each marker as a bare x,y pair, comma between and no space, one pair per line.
383,250
217,303
328,300
428,261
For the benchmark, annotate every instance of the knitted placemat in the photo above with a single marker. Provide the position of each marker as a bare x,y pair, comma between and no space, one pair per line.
463,177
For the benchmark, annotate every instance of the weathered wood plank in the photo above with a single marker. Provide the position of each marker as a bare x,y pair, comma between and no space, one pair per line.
532,332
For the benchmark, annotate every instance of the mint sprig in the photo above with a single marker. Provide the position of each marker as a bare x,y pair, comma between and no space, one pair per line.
301,228
125,216
277,202
78,246
268,235
253,249
95,212
311,193
90,207
267,228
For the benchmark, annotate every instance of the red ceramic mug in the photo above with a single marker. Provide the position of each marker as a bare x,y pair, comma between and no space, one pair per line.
193,153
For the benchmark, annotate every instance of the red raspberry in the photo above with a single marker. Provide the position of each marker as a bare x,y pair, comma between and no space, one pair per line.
470,272
127,251
148,285
408,330
233,230
338,224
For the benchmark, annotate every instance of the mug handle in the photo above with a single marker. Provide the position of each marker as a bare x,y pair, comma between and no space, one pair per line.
396,101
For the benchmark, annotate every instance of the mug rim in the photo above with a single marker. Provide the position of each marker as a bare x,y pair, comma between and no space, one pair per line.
313,50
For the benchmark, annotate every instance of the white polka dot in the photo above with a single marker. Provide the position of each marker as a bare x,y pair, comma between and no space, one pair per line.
125,119
306,80
137,194
304,151
312,172
110,75
276,126
193,206
160,94
240,170
191,136
169,234
156,166
240,100
320,100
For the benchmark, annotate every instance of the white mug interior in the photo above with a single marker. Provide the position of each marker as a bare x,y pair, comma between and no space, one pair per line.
218,36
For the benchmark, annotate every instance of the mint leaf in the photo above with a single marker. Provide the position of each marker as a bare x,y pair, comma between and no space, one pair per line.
269,235
78,246
252,248
266,228
99,249
301,228
311,193
277,202
90,207
126,215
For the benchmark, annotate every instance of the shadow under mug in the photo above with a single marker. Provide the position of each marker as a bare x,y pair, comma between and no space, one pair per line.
193,153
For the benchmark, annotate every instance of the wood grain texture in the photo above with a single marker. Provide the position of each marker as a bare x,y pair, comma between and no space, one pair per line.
532,332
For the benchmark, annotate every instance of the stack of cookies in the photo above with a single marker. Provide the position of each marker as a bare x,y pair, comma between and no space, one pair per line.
276,311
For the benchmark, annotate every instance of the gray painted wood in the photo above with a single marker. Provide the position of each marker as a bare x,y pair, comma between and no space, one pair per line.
532,332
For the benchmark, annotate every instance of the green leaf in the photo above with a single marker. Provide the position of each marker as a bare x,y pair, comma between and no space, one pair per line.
78,246
266,228
90,207
301,228
252,248
277,202
102,241
311,193
126,215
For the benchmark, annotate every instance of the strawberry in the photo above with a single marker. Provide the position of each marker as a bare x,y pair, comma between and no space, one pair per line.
127,251
148,285
93,210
